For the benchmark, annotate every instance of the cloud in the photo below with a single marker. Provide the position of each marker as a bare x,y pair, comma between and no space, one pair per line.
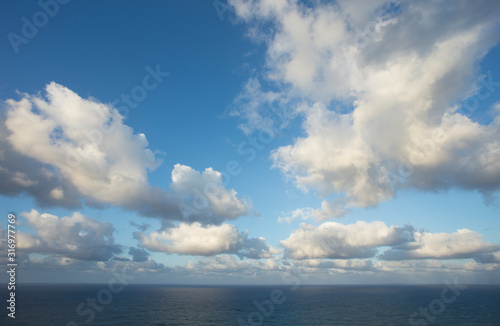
462,244
141,227
341,265
426,266
22,174
495,108
329,209
86,140
338,241
380,94
138,254
56,269
229,265
228,268
206,194
199,240
260,110
488,258
63,149
332,240
3,245
76,236
69,266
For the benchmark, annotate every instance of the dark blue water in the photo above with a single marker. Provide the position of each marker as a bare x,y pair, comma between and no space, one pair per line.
258,305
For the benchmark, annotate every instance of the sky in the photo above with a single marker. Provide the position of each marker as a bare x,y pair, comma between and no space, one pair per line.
251,141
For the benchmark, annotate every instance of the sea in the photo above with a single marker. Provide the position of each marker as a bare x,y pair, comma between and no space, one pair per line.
349,305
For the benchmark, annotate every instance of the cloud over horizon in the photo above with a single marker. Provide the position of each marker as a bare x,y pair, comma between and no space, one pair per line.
333,240
73,236
462,244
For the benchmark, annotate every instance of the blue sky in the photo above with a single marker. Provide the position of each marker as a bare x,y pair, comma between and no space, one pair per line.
346,142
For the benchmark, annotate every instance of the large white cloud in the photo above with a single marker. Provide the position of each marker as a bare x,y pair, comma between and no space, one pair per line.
85,139
196,239
332,240
21,174
462,244
381,94
338,241
73,236
62,148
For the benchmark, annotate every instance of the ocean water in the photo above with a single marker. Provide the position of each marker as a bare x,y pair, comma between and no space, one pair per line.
72,305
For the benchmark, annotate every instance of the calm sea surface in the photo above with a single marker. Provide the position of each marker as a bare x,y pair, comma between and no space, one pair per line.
258,305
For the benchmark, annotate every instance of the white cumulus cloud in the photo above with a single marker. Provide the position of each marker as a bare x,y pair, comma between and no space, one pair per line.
338,241
383,97
205,191
462,244
196,239
74,236
61,148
